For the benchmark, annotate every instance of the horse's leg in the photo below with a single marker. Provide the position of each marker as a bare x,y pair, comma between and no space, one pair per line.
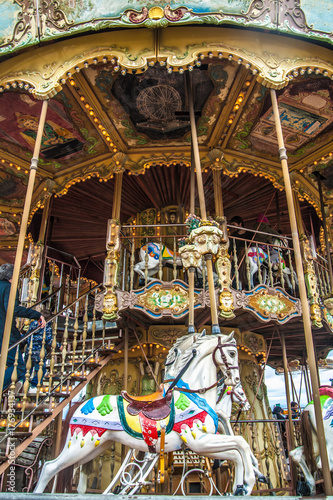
215,446
70,456
138,268
298,456
83,481
225,428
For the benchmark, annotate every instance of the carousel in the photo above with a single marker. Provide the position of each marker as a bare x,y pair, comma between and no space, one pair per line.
166,174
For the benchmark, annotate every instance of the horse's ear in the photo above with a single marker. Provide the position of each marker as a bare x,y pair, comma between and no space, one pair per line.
230,337
203,333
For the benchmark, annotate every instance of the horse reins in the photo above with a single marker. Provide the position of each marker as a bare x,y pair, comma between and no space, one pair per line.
223,356
204,389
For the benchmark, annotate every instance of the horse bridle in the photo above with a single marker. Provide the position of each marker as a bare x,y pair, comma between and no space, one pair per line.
223,356
194,352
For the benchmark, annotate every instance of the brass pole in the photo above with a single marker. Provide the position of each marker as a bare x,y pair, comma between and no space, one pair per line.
43,224
290,420
196,154
322,208
298,213
20,245
192,183
42,239
191,270
218,192
304,300
126,358
191,328
195,146
117,195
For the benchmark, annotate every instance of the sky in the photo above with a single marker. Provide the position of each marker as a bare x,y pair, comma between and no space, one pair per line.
276,387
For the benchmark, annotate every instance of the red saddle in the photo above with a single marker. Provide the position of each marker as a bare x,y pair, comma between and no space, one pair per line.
153,406
326,390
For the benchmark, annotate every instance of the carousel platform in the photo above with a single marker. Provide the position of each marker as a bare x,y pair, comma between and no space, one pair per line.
70,496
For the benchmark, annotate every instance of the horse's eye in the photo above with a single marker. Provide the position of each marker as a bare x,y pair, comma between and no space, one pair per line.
232,354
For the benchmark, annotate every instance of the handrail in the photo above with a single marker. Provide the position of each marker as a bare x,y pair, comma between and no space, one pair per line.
279,236
51,392
52,317
261,243
63,253
47,297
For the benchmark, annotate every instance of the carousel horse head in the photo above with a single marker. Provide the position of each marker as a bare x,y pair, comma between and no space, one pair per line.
222,349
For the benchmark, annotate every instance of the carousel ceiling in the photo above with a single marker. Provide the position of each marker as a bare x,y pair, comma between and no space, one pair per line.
103,122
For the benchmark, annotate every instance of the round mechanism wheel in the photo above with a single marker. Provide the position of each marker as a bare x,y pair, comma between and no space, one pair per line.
159,102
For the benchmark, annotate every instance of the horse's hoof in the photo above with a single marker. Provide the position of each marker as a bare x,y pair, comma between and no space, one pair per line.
303,488
262,479
240,490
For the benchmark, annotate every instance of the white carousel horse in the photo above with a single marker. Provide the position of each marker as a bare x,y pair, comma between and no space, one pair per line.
277,262
307,456
151,262
151,259
186,414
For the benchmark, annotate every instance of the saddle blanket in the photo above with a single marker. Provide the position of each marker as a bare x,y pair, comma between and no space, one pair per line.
97,416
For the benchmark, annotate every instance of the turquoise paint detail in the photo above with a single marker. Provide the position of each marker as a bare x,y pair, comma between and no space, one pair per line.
88,407
200,402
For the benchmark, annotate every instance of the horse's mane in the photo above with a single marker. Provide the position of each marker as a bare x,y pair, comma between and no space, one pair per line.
178,361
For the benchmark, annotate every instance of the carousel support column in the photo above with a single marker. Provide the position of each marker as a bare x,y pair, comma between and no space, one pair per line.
304,301
192,183
191,328
20,245
126,335
126,358
327,244
217,191
203,213
111,265
223,263
191,270
310,276
195,146
41,241
298,213
291,438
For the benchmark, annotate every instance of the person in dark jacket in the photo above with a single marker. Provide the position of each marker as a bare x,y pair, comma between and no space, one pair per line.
6,274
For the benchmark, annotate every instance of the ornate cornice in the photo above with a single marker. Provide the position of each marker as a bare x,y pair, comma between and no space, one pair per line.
271,58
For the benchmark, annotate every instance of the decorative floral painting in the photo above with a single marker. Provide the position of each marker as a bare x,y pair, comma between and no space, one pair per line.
19,118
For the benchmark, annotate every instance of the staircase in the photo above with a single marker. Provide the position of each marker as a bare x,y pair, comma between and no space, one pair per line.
80,349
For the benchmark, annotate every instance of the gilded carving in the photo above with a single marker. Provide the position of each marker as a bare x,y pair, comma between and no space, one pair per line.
268,303
311,282
190,256
226,304
156,299
110,306
111,270
206,238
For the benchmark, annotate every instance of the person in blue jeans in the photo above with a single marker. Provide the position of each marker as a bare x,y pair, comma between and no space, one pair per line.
6,274
37,343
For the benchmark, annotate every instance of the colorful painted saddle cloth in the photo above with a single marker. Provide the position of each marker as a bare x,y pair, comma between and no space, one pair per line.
103,413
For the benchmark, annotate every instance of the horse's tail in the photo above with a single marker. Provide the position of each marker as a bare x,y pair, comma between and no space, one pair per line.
307,441
64,479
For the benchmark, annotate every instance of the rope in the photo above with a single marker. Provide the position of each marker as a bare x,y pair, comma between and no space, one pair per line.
143,352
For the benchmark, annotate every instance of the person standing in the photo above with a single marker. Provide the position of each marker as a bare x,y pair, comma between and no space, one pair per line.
6,274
